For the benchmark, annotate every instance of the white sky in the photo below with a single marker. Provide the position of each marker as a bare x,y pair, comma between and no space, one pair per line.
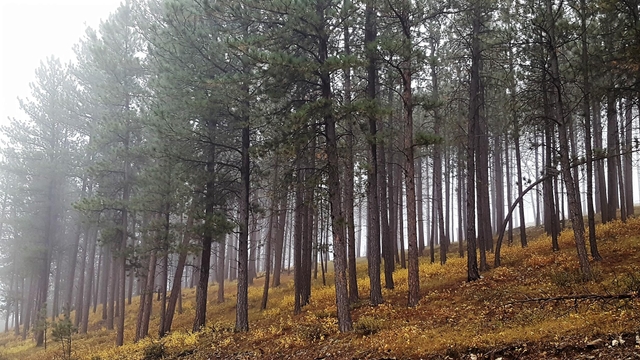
31,30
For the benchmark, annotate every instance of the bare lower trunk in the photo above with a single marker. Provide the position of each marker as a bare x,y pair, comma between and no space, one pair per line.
177,278
220,272
573,194
92,235
373,209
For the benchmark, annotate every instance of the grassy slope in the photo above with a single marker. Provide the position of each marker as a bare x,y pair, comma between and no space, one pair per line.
452,317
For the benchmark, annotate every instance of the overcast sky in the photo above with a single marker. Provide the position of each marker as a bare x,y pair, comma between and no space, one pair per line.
31,30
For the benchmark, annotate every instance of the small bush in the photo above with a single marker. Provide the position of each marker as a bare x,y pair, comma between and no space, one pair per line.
312,332
368,325
61,332
565,278
324,314
154,351
630,282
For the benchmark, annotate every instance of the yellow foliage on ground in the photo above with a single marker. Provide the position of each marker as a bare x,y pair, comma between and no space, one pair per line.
452,317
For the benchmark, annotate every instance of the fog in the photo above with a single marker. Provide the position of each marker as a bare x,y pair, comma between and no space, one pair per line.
31,30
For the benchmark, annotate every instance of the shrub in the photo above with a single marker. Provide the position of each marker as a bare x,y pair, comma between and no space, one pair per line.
61,332
154,351
630,282
368,325
311,332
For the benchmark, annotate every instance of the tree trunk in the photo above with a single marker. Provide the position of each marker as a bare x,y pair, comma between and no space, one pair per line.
509,192
333,183
600,179
71,278
297,236
612,161
147,298
387,248
267,255
461,187
220,270
628,156
475,104
242,297
51,228
403,261
438,210
573,194
518,161
498,175
27,308
373,208
91,234
420,206
308,223
279,239
409,174
55,308
586,107
253,247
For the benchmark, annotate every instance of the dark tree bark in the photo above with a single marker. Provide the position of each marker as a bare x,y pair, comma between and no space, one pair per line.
404,17
393,203
612,155
551,215
349,179
438,210
297,236
573,194
502,227
309,221
403,261
461,189
481,139
165,273
91,235
267,255
221,267
586,107
373,209
387,248
242,305
420,206
333,182
518,161
253,249
499,182
600,179
207,238
177,278
44,267
147,297
98,287
279,240
475,104
628,157
71,278
507,151
27,308
55,306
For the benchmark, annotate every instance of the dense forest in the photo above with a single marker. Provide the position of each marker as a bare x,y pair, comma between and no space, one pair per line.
194,142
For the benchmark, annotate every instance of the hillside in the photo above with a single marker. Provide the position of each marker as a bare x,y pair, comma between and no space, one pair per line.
455,319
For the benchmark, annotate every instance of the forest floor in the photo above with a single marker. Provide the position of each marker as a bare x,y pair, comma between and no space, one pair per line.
535,306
